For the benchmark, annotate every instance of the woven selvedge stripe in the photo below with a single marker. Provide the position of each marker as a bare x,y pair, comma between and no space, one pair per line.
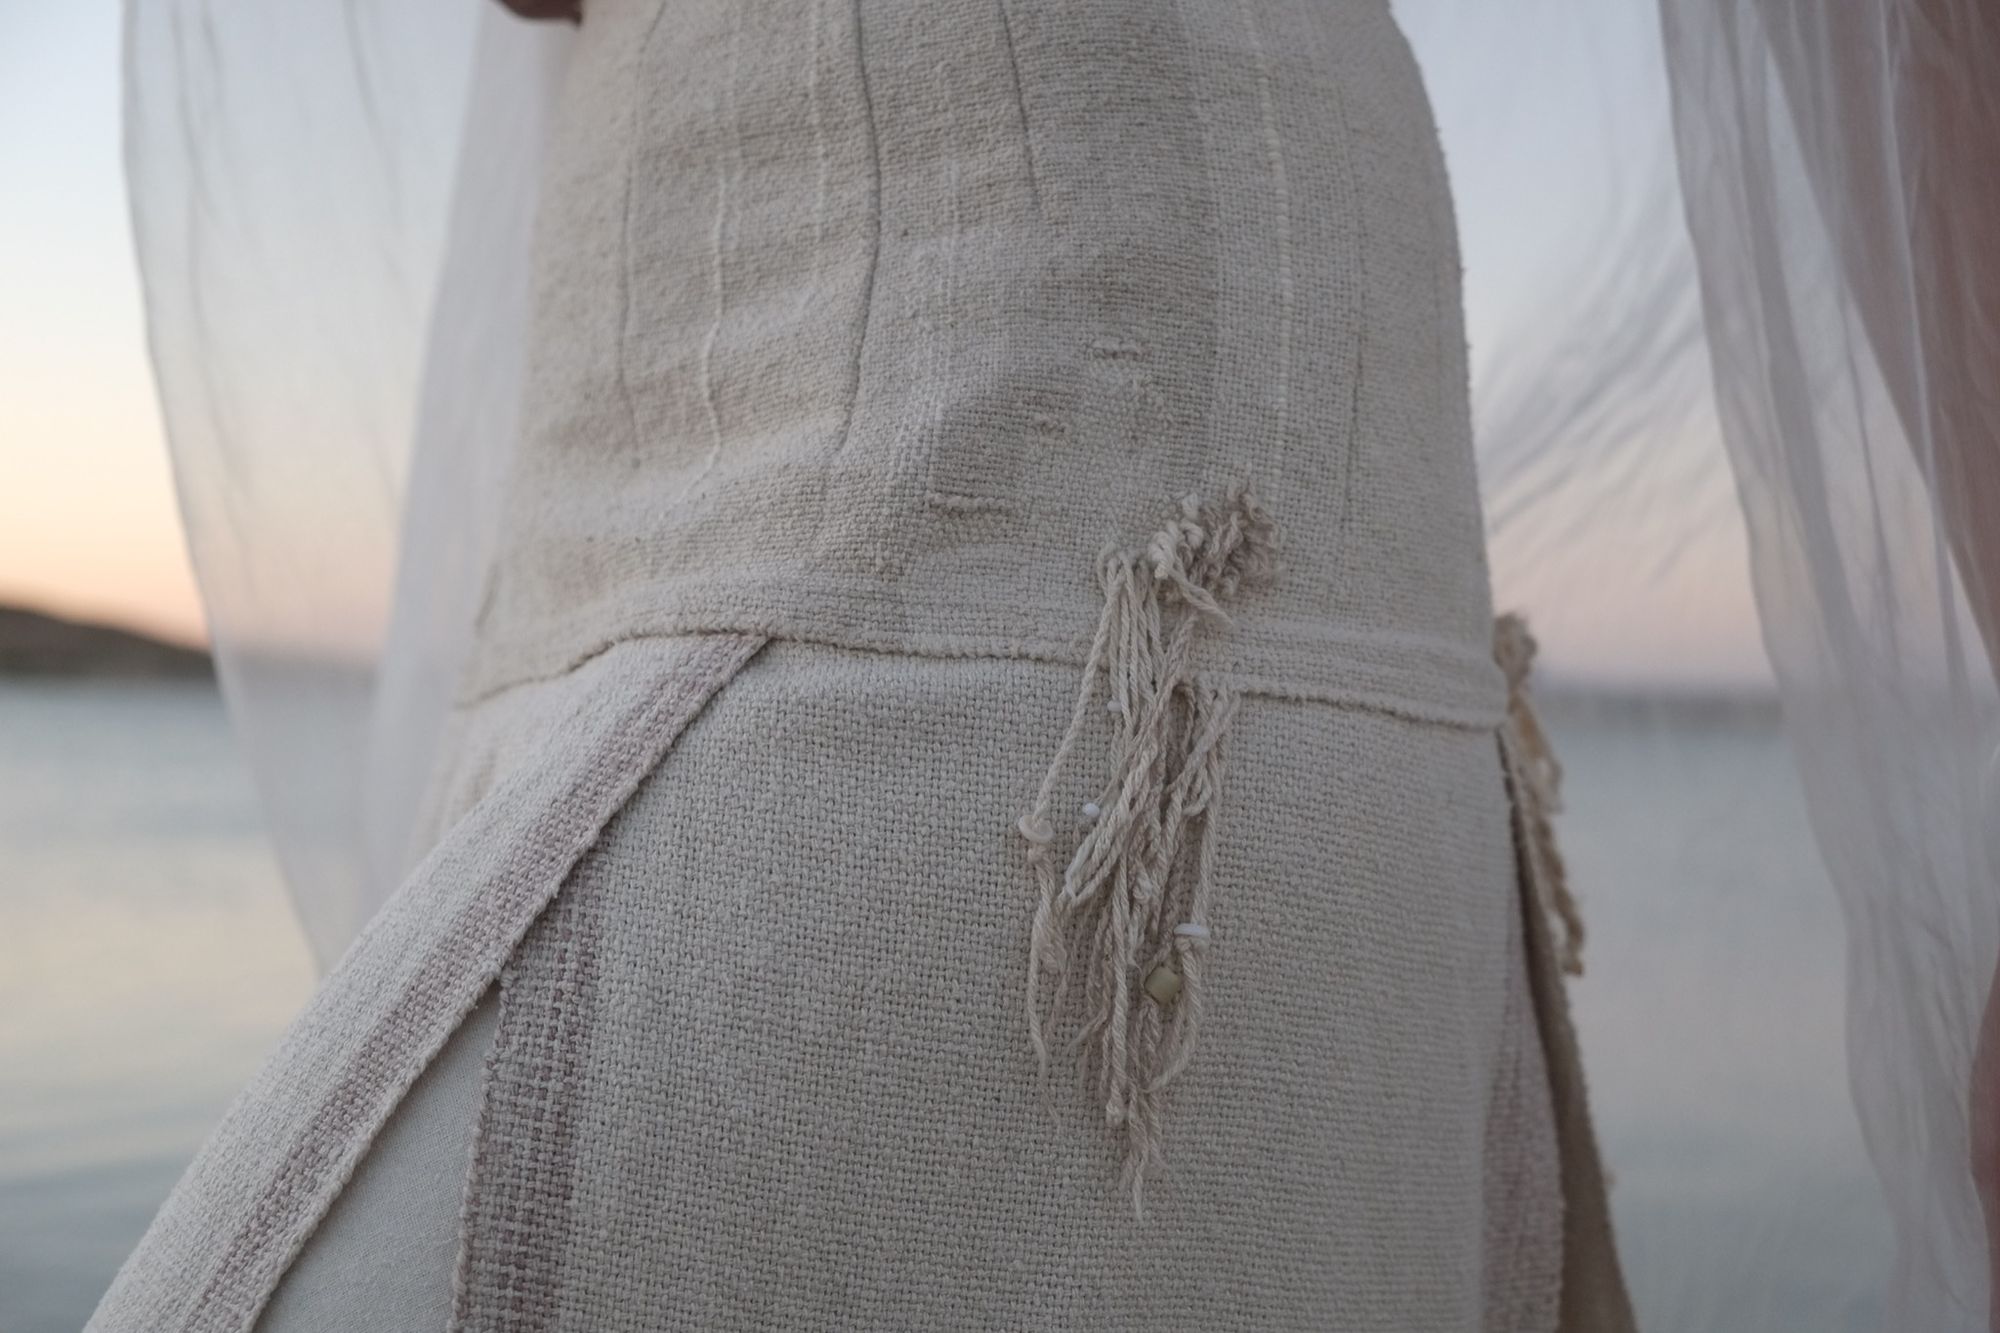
1524,1209
445,987
524,1154
1593,1296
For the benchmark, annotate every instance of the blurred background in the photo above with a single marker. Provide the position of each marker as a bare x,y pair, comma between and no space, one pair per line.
148,954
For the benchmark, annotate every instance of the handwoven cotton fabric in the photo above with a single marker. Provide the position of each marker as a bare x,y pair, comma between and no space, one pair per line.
770,1029
960,434
872,324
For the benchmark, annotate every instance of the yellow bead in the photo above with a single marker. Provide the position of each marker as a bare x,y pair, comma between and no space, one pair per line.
1163,983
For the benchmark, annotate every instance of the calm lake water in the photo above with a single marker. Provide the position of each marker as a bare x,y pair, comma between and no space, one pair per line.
148,959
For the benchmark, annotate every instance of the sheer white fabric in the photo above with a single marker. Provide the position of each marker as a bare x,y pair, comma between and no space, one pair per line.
333,200
332,204
1842,172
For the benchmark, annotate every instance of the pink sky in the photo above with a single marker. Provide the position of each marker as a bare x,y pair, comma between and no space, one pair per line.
87,518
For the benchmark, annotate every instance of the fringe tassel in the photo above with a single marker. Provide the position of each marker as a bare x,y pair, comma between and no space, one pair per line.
1536,778
1124,920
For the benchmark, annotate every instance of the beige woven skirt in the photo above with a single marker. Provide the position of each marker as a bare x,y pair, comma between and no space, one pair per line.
816,1105
985,798
756,1060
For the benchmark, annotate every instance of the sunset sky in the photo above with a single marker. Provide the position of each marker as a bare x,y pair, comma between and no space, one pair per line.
88,525
87,518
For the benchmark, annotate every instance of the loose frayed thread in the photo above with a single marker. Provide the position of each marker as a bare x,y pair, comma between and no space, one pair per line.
1536,778
1124,921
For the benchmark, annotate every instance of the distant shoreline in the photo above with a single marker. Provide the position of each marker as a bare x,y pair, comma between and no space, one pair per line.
37,646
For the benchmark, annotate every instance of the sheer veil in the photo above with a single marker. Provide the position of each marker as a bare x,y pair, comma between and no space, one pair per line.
332,204
1785,243
1841,165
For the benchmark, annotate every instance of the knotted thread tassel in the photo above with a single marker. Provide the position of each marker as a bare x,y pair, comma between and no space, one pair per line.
1122,919
1536,778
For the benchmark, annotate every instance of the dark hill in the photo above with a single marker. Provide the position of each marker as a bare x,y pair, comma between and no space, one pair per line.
35,644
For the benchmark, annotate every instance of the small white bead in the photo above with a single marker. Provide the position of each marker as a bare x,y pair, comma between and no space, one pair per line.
1194,930
1113,706
1036,829
1090,810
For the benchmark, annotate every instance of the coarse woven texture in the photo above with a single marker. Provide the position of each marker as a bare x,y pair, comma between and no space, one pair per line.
872,326
762,1064
870,323
1593,1287
1524,1177
289,1143
800,1075
385,1254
